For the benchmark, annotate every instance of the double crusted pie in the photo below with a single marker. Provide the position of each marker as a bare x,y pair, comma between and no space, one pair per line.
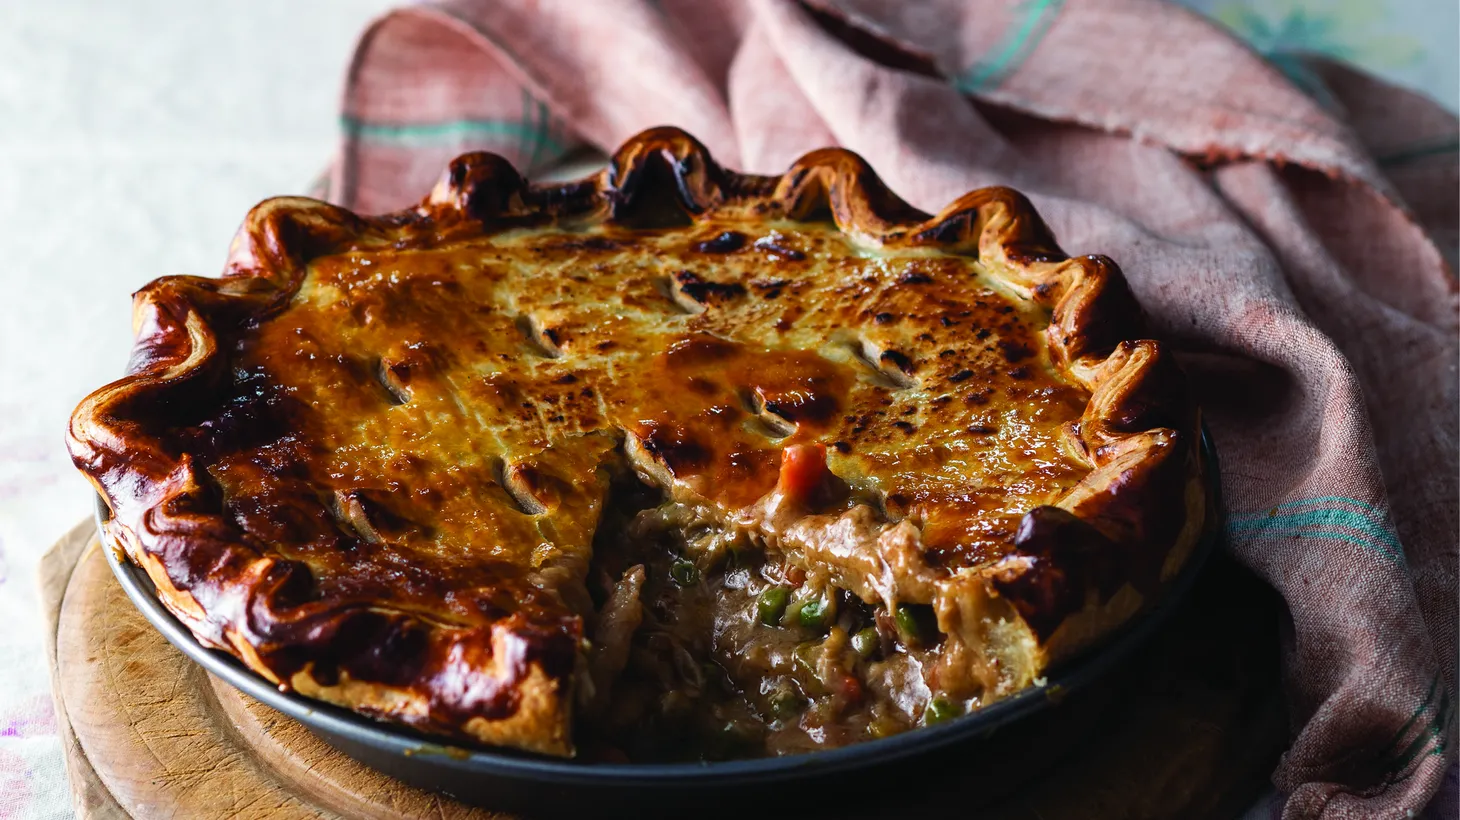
668,463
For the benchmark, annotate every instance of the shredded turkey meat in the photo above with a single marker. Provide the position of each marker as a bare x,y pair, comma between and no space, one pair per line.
612,637
713,644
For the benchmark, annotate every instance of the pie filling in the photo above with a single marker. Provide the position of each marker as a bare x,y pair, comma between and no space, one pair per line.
735,470
738,652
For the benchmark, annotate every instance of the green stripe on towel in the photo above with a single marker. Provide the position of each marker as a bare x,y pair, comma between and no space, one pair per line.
1336,517
438,133
1016,47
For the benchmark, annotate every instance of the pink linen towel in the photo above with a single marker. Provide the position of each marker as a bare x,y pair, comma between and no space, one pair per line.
1299,254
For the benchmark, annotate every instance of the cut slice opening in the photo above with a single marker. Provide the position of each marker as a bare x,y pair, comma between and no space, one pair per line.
709,645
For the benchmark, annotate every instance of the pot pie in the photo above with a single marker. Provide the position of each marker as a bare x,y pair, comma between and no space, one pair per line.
668,463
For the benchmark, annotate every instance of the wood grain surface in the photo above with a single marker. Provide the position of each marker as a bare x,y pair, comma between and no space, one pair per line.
1190,728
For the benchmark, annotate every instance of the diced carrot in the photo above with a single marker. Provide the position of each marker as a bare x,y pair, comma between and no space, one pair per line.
803,470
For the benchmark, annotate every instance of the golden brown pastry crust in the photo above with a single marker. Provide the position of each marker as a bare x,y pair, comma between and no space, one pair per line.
182,469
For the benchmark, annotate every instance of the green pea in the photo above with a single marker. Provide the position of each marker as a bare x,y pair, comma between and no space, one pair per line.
771,605
883,726
712,674
738,557
908,624
786,704
813,614
941,709
867,642
684,573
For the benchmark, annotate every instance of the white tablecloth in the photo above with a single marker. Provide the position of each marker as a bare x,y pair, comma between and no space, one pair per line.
133,138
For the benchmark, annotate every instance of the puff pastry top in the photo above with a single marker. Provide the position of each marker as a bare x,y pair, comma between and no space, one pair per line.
371,459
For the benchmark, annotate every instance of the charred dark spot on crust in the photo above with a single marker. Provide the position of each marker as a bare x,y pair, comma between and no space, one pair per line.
1014,351
769,424
884,318
591,243
705,292
726,242
770,289
674,447
962,375
841,447
1019,373
880,366
982,333
699,349
981,429
897,359
946,232
811,399
914,278
772,246
905,426
259,413
566,378
813,407
541,340
703,387
1024,253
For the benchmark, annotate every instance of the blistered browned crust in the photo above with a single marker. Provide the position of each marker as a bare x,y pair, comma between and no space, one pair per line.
504,674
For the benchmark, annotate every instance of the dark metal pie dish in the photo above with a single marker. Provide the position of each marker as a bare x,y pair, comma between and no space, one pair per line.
542,786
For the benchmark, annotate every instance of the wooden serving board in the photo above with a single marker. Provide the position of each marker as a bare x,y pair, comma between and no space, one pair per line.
1190,728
